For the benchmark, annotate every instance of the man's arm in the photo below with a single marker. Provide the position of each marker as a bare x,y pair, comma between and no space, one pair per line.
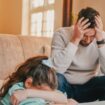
62,54
100,35
102,58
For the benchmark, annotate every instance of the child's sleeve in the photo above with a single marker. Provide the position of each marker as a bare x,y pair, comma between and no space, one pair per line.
33,101
17,86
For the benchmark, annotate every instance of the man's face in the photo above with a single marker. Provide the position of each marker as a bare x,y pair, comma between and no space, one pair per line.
88,37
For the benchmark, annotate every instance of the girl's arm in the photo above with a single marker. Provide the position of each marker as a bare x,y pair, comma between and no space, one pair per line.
70,102
54,96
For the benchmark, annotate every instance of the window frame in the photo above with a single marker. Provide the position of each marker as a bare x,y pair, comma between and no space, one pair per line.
39,9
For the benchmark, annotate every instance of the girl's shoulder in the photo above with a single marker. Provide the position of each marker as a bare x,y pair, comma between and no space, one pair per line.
17,86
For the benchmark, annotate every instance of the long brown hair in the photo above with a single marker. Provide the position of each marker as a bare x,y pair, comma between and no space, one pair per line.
33,67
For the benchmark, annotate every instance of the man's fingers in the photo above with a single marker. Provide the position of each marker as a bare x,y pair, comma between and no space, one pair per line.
86,26
98,20
84,22
97,23
79,22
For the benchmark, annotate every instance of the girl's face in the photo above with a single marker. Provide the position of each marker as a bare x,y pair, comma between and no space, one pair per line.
42,87
28,85
88,37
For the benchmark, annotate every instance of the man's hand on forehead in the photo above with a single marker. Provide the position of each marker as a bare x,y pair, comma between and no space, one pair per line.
80,28
83,23
99,24
99,28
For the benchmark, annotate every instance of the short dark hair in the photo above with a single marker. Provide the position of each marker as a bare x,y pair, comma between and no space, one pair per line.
88,13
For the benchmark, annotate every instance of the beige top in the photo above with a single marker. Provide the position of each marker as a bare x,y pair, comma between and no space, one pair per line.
77,63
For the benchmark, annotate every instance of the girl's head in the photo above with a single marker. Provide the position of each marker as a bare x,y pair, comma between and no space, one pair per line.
34,73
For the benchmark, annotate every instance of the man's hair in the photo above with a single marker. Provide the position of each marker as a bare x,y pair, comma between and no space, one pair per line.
89,13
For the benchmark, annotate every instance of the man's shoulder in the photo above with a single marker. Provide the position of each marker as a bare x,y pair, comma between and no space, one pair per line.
65,29
64,32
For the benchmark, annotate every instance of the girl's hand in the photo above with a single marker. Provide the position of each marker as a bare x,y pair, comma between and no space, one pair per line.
72,102
18,96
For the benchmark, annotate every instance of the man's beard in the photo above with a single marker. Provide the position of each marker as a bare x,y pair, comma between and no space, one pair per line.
83,43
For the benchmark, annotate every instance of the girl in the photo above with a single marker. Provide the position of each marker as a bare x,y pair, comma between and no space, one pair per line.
34,78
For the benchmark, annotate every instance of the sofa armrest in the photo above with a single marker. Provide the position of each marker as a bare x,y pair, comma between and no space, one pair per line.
1,83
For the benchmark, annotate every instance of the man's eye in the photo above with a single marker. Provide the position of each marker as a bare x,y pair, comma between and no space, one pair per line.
92,37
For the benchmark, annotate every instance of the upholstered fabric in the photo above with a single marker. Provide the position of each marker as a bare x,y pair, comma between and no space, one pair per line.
15,49
1,83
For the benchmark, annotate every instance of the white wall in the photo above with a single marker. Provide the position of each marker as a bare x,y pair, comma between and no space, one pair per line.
99,5
58,14
10,16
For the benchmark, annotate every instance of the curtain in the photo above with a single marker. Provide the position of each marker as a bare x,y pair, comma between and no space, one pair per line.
67,13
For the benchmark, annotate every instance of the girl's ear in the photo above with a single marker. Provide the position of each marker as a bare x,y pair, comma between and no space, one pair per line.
28,82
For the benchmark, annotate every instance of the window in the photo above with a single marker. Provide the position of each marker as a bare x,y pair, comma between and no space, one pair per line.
41,19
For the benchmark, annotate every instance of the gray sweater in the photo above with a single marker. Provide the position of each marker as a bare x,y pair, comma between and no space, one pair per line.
78,64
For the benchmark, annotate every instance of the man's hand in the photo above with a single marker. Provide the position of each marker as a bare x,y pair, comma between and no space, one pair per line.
99,28
79,29
18,96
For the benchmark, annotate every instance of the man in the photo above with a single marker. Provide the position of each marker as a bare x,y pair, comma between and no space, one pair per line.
78,55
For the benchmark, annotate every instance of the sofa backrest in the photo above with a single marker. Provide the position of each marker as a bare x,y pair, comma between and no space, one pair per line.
16,49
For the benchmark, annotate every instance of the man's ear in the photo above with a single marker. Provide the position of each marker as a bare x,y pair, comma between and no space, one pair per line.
28,82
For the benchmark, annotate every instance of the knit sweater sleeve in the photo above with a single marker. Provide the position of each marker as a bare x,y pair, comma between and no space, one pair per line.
62,52
101,51
102,58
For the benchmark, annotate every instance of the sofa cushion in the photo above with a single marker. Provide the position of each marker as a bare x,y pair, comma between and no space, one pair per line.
11,54
33,46
15,49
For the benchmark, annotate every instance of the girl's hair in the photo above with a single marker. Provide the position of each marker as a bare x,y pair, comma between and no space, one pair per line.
35,68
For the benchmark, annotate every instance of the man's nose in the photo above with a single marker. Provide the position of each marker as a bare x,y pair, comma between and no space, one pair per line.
88,39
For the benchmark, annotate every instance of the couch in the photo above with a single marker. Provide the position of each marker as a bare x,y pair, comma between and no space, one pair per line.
15,49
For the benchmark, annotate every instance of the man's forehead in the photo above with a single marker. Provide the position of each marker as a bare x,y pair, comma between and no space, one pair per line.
90,32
